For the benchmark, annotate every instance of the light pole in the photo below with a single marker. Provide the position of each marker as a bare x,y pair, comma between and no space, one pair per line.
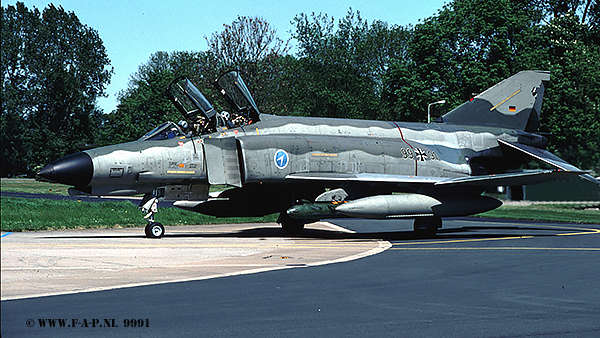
429,109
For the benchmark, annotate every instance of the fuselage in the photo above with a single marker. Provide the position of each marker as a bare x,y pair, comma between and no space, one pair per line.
311,145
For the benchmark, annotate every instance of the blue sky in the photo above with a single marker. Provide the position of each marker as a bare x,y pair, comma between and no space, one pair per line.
133,30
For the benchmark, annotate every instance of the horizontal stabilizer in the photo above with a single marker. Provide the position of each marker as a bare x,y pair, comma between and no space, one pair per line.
548,157
590,178
541,155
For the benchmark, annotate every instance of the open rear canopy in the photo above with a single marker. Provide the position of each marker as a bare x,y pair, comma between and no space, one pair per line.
233,88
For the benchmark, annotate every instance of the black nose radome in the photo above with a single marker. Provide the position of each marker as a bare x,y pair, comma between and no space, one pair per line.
76,170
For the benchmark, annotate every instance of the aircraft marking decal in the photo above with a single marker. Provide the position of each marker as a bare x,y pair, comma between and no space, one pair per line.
506,99
420,154
180,172
324,154
281,159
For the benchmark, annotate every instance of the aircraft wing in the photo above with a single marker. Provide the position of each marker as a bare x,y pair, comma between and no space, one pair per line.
506,179
513,178
365,177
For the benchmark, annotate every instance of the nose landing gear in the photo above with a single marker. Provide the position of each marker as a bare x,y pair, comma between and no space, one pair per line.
149,205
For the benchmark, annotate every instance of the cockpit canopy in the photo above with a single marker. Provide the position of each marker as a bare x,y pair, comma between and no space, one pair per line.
233,88
200,114
189,100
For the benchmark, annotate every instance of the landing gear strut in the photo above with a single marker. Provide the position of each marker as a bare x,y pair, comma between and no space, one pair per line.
149,205
427,226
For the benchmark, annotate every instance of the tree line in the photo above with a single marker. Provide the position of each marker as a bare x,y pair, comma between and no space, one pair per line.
344,68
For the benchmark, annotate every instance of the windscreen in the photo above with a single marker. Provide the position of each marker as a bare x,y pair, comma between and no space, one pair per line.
165,131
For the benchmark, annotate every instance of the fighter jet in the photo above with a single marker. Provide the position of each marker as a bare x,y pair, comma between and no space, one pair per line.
307,168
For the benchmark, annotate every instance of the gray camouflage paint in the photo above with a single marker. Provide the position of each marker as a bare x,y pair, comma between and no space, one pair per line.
314,145
278,159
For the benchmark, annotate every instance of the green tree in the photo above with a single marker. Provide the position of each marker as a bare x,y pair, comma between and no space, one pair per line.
54,68
251,46
144,104
572,104
467,47
339,71
246,40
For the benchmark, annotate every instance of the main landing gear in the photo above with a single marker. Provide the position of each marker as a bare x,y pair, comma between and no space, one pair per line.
149,205
291,227
426,227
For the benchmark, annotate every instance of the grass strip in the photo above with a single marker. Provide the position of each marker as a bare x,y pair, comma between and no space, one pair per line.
23,214
33,187
545,212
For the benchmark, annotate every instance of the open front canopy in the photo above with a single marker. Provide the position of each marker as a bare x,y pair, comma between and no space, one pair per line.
189,100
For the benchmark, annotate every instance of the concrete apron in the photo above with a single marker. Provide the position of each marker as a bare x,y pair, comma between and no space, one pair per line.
45,263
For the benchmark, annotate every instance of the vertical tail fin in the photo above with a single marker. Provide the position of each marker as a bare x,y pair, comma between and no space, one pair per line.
514,103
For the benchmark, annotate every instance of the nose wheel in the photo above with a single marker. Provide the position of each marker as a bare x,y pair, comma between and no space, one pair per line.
154,230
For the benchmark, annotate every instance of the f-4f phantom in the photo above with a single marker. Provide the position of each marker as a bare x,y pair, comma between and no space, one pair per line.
308,169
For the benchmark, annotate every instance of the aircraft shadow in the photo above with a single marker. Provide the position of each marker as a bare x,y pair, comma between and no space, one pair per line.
466,232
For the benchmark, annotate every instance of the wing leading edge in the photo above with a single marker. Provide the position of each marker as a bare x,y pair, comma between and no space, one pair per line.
506,179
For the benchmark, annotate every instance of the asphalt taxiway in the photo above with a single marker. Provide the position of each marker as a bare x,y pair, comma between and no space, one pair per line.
477,277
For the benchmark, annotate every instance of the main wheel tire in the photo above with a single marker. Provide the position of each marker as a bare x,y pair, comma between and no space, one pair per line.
426,227
291,227
154,230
